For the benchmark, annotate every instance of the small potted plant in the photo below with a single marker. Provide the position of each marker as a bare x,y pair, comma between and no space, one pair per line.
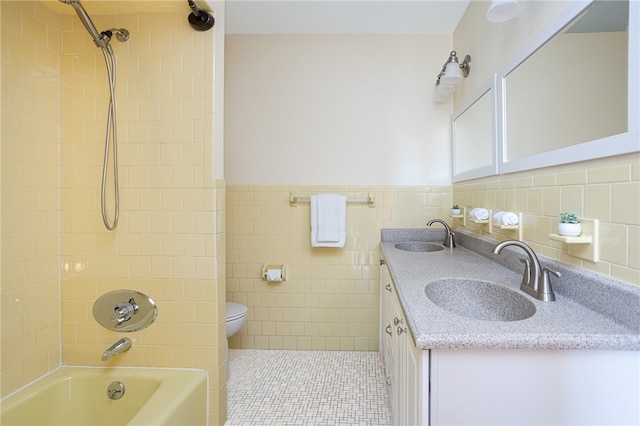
569,225
455,210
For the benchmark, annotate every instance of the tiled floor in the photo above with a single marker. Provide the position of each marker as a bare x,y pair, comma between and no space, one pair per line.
307,388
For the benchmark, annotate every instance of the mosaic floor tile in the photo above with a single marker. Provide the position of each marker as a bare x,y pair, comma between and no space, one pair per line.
307,388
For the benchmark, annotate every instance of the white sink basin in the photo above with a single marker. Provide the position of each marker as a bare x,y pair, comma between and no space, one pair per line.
479,299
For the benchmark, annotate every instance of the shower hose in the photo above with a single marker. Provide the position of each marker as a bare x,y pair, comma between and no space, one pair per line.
111,139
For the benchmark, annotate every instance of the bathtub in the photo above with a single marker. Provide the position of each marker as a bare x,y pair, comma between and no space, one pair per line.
78,396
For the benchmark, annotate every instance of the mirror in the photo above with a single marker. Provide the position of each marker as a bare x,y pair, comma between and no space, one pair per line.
571,95
474,127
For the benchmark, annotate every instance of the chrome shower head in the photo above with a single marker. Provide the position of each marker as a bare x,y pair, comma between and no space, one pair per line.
100,39
86,21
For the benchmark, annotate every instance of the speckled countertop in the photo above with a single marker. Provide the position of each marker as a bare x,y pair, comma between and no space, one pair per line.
582,317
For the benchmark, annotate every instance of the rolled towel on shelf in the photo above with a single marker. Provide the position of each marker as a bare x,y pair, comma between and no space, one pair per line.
497,217
510,218
479,214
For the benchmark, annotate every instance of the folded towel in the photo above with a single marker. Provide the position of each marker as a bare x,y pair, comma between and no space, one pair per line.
510,218
479,214
328,220
505,218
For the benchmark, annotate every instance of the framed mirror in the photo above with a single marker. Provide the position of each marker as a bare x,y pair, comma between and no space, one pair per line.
572,94
474,131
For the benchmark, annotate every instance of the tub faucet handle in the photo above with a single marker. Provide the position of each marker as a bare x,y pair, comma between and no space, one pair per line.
124,311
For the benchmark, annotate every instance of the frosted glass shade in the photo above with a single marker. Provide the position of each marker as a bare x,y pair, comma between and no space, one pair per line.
452,74
503,10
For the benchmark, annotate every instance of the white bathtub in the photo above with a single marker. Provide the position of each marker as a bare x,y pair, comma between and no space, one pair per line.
78,396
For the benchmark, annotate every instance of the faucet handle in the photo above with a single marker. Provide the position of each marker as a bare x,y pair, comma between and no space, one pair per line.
545,289
547,270
526,274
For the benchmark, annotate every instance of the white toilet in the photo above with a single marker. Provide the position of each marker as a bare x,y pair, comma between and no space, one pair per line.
236,314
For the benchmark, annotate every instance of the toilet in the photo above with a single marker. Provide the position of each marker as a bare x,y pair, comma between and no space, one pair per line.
236,314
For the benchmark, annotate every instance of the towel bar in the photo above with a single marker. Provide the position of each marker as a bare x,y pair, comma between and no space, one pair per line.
370,199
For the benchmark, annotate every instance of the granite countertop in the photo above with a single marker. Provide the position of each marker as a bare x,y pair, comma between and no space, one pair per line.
568,323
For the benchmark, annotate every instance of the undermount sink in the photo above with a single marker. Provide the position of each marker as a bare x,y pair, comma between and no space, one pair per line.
419,246
479,299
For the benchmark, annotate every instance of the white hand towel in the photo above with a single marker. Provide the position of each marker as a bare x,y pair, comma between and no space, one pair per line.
479,214
328,220
497,217
510,218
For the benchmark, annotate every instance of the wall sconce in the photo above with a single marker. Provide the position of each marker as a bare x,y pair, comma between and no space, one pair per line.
452,73
503,10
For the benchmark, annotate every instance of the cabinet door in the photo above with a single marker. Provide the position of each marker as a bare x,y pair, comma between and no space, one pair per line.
406,366
542,387
386,322
416,384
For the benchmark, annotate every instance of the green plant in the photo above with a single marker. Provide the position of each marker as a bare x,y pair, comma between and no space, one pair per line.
569,218
455,206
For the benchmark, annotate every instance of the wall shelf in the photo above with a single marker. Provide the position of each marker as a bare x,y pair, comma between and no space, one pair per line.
462,216
571,240
490,222
586,245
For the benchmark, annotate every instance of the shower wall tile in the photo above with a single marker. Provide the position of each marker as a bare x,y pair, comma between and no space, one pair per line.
29,308
605,189
57,257
330,300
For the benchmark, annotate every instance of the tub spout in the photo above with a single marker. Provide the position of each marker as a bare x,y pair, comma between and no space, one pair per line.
117,348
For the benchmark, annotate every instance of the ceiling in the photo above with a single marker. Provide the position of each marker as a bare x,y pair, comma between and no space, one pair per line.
304,16
343,16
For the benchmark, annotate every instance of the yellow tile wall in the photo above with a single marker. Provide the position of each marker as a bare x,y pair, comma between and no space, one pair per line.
604,189
167,244
57,257
330,299
30,46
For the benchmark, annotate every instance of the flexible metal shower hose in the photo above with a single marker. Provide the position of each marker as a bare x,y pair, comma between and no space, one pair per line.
110,139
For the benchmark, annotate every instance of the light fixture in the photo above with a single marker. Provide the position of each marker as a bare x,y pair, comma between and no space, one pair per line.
452,73
502,10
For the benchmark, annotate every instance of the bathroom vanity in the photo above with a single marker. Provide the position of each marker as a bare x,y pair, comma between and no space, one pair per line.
572,361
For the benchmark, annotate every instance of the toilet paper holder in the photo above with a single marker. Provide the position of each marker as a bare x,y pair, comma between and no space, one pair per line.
270,272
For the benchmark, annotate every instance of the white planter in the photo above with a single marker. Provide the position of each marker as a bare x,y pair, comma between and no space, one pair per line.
569,229
455,212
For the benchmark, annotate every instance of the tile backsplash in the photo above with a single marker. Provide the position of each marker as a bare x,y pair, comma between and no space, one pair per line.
605,189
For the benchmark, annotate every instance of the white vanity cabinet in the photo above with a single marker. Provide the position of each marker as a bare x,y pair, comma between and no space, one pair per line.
534,386
503,386
406,367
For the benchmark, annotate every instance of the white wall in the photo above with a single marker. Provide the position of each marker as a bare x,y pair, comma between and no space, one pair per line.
492,45
335,110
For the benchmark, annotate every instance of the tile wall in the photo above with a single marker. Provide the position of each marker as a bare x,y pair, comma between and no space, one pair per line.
30,45
330,299
605,189
169,242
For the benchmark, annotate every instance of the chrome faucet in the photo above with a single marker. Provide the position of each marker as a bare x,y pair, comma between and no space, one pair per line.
448,235
117,348
535,280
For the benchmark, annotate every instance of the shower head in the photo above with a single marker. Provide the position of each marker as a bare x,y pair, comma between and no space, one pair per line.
199,19
86,21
